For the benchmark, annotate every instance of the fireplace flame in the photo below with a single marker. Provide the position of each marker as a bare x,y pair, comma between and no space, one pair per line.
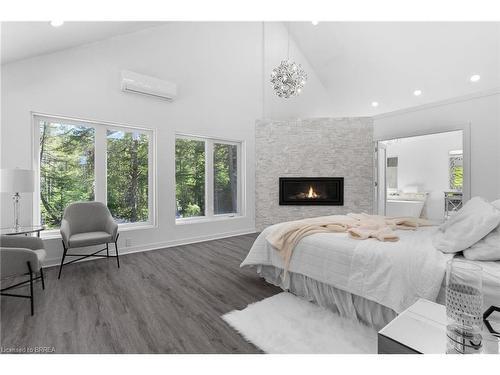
312,193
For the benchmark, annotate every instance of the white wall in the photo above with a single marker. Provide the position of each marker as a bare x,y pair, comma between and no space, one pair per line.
483,115
219,68
219,95
424,162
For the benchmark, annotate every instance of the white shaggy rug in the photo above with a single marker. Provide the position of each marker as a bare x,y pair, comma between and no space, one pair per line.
286,324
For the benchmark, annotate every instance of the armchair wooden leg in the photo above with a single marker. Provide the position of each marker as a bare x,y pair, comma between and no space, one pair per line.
62,260
31,289
43,279
107,249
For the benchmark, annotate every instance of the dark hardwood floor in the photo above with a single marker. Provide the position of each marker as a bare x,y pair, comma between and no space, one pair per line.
162,301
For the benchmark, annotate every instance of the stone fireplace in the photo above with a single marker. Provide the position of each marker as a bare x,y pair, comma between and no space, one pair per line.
311,191
323,148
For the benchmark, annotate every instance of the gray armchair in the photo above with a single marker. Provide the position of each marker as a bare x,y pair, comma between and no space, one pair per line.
88,224
21,256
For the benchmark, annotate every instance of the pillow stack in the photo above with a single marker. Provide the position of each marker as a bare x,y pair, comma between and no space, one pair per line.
475,229
489,247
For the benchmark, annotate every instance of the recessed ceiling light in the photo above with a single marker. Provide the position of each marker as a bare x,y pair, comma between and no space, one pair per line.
374,104
315,23
56,23
417,92
475,77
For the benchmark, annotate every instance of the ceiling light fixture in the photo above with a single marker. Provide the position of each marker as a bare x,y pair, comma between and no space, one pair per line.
417,92
315,23
375,104
56,23
288,78
475,77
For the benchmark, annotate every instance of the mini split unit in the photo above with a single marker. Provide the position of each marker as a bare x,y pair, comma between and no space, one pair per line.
146,85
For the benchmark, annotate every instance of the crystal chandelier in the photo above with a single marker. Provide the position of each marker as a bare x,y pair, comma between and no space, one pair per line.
288,78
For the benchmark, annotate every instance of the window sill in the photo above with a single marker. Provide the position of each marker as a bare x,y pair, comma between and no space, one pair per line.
53,234
204,219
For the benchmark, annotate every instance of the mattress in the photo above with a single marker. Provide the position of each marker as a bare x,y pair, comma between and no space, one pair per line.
393,274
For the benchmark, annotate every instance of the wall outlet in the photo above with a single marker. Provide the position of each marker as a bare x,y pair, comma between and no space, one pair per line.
128,242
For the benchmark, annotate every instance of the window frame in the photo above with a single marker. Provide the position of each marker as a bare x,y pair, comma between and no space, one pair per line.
100,163
209,179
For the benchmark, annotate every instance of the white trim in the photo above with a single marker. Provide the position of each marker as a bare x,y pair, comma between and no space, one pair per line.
78,120
209,178
51,234
52,262
456,99
206,219
100,164
207,137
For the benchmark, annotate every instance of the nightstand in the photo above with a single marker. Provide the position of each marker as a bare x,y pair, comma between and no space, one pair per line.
421,329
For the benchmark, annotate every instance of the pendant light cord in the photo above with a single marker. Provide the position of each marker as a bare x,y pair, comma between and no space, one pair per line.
288,41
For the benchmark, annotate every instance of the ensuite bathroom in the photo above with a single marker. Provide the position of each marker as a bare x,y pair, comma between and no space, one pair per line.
424,175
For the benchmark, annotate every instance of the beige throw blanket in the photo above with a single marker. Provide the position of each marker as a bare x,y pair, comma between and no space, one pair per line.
358,226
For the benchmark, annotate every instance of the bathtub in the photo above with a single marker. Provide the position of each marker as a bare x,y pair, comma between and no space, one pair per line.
396,207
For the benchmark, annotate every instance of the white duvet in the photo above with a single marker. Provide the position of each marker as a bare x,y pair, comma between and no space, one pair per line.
394,274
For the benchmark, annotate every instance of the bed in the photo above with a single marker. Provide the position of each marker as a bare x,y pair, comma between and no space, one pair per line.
369,280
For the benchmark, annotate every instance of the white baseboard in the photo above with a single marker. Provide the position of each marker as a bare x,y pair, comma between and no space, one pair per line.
161,245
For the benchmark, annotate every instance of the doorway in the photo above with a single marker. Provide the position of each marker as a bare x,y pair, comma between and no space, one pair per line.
422,176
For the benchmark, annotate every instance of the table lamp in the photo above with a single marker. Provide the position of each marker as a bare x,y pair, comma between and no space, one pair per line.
17,181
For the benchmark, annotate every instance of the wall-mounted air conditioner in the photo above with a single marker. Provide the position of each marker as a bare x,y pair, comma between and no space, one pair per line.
146,85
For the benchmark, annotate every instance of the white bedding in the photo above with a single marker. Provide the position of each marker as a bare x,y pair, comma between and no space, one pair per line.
394,274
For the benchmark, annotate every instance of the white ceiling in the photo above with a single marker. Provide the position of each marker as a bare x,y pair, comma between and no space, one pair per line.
359,63
21,40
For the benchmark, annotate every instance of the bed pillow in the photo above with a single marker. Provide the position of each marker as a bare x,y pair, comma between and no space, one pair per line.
469,225
489,247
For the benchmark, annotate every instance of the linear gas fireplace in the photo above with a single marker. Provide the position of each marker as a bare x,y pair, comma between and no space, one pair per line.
312,191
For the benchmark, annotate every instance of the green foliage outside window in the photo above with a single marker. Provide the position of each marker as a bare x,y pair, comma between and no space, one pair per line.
225,178
190,177
67,157
127,154
457,179
67,172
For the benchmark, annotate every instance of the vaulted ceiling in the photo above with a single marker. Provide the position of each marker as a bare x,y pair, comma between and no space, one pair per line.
21,40
357,62
385,62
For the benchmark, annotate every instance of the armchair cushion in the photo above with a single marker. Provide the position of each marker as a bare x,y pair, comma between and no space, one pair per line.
17,251
89,239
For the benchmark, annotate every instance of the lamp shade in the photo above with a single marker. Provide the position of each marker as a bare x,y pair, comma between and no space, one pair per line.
17,181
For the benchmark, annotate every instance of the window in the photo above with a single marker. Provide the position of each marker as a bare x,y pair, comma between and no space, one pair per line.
207,176
128,175
84,161
456,169
225,178
392,173
190,177
67,157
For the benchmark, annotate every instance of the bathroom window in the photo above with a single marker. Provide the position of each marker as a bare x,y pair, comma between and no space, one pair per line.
456,169
392,173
